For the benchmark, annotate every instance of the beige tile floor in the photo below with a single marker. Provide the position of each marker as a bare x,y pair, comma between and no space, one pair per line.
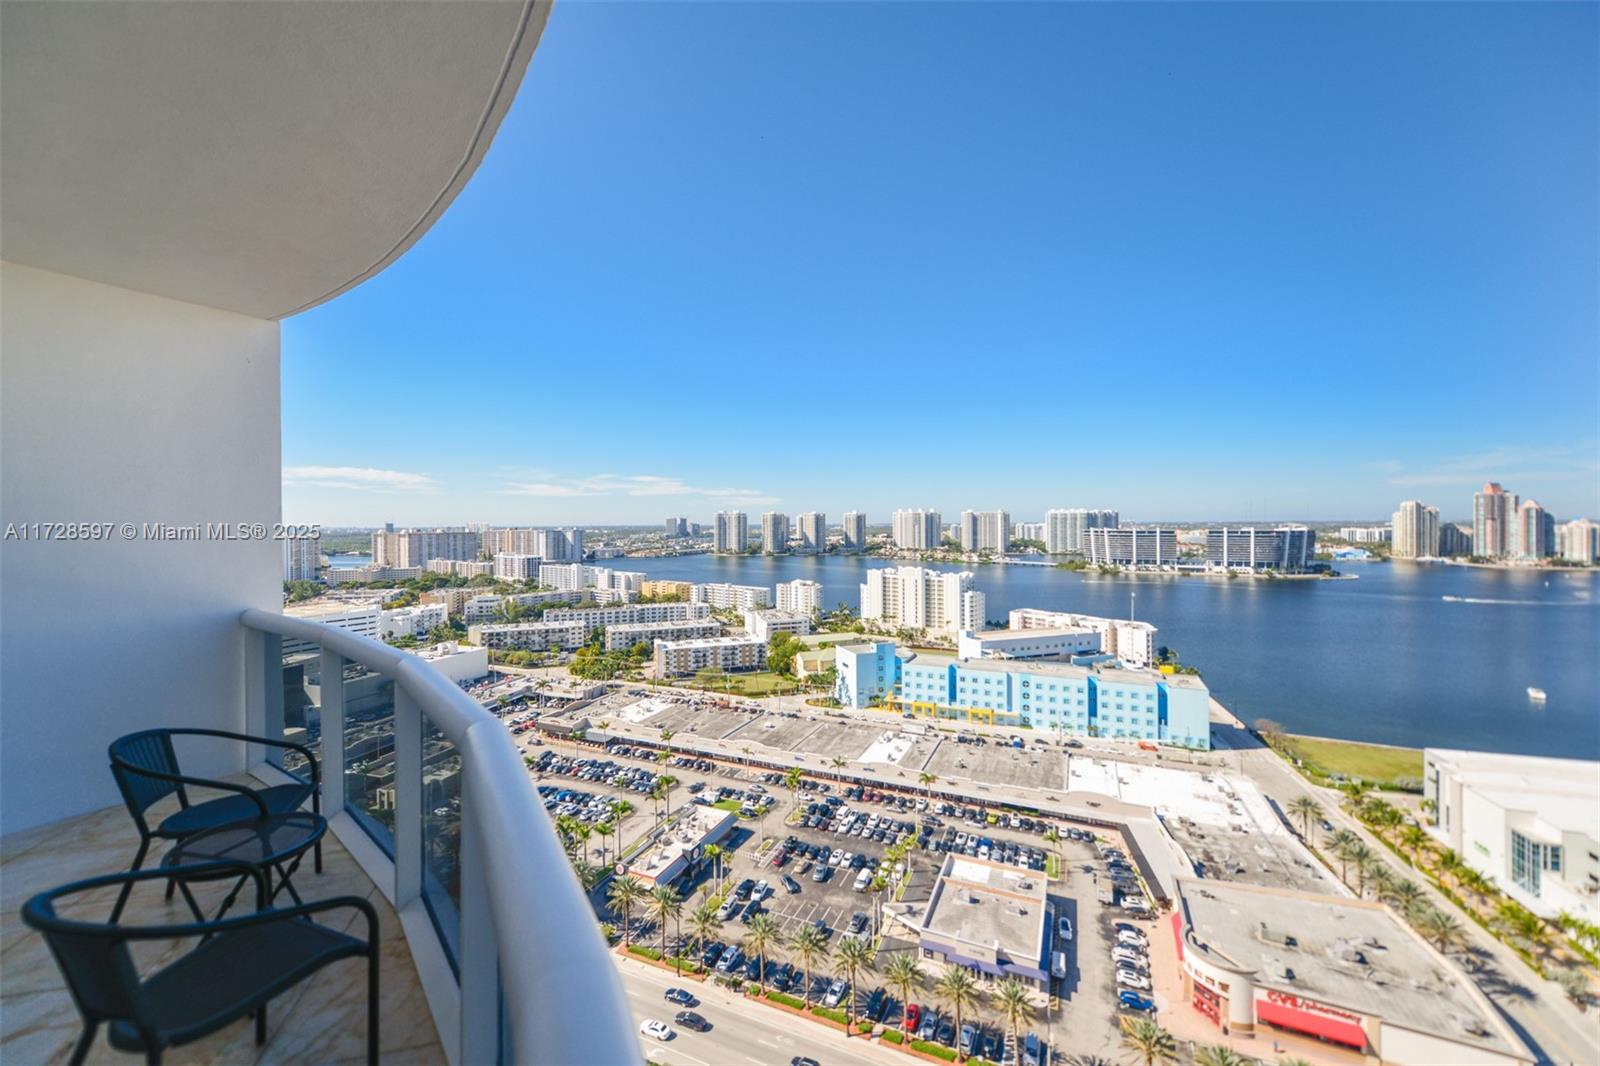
321,1020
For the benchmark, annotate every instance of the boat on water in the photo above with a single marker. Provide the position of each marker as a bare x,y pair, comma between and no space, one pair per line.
1452,599
1536,694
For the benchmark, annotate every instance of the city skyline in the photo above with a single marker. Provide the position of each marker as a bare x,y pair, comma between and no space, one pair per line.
1268,263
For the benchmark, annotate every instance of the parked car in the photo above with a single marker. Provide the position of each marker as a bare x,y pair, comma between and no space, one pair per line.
835,993
1132,937
790,884
968,1035
1133,979
1132,1000
1064,928
913,1016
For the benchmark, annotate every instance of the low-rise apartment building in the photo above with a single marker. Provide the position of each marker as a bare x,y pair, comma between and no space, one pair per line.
666,589
675,658
510,566
722,595
630,614
763,623
414,621
623,636
800,596
461,567
1133,643
529,636
490,607
370,574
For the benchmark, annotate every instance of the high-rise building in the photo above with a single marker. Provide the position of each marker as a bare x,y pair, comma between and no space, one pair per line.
1578,541
918,530
1415,531
1066,529
1367,534
551,545
1493,514
414,547
732,533
855,531
302,557
800,597
1533,533
509,566
812,529
1454,540
774,533
985,531
1132,546
677,527
1027,531
916,598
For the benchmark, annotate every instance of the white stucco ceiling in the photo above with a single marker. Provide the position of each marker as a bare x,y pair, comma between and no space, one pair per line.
258,156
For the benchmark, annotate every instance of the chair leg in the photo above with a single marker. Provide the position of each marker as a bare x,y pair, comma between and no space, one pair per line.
261,1025
80,1050
127,886
372,1006
317,856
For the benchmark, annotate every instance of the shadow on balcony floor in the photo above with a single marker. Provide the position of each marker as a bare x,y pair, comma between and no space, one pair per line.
321,1020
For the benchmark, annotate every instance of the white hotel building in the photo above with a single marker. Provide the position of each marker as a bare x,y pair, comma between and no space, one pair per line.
800,597
916,598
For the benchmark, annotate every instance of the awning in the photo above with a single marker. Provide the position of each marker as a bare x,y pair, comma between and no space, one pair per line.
1316,1024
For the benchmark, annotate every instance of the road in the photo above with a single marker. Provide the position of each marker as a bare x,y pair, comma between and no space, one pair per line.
1536,1008
742,1033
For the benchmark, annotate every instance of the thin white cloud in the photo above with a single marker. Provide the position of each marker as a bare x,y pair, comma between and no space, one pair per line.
632,485
1510,466
357,479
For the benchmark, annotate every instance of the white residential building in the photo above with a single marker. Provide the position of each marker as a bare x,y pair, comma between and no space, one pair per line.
1577,541
918,530
812,530
676,528
1134,643
675,658
369,574
488,607
721,594
1066,529
800,597
302,558
1027,531
774,533
414,547
1366,534
761,623
572,576
551,545
623,637
1529,824
855,532
455,661
731,533
1028,643
985,531
414,621
913,597
461,567
1132,546
1415,531
630,614
529,636
364,619
514,567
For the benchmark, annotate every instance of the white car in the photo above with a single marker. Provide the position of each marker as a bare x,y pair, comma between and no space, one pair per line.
655,1028
1130,979
1065,928
1129,956
1131,938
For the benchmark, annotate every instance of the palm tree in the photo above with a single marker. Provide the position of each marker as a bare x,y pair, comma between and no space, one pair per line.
625,892
904,975
1407,896
1218,1055
667,783
664,904
791,781
838,763
1148,1041
926,780
1440,928
855,956
1011,996
1337,843
1305,808
960,989
1382,880
714,853
583,831
763,934
1412,837
809,947
588,873
1362,858
704,925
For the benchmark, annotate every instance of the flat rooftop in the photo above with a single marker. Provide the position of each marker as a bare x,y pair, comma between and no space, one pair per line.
1340,952
697,826
990,907
710,642
1565,793
1000,635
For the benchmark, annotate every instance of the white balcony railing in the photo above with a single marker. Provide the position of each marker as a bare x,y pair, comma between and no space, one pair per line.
504,939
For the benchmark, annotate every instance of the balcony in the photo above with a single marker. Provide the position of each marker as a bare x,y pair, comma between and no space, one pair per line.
491,952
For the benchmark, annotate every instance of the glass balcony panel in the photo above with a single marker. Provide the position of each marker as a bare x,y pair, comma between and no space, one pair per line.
302,704
369,793
441,836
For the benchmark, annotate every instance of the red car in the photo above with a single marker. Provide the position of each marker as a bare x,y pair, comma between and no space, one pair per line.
913,1016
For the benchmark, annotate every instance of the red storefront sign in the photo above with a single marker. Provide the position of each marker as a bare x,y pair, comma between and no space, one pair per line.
1177,932
1208,1003
1308,1016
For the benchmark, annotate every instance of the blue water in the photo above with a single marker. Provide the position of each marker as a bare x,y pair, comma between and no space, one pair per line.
1382,658
348,562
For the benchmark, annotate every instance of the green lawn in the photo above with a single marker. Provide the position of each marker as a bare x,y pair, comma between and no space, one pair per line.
727,805
756,683
1376,763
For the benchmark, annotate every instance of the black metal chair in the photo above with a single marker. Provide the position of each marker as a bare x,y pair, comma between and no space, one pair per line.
145,766
235,971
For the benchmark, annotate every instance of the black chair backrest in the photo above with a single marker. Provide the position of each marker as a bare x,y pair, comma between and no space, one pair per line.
150,750
93,959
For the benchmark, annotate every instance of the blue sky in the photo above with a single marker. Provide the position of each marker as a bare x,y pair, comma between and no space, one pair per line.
1189,261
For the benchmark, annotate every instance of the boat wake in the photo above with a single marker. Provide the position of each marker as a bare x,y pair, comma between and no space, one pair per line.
1509,603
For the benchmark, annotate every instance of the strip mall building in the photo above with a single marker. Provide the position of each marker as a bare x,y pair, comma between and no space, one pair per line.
1343,971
